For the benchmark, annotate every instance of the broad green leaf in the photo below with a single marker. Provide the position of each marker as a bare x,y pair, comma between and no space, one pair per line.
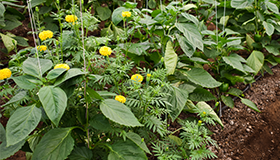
201,77
228,101
273,48
185,45
241,4
272,7
100,122
192,34
119,113
107,32
138,141
23,82
73,72
36,2
189,6
250,104
249,41
31,67
81,153
56,144
269,28
93,94
55,73
234,61
2,10
106,94
23,121
103,13
212,113
178,100
170,58
118,32
191,18
21,41
235,92
255,61
152,4
117,15
7,151
176,139
131,5
19,96
54,101
200,94
224,20
9,42
126,150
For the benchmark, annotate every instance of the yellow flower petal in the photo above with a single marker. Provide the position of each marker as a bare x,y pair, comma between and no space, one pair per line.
120,98
65,66
5,73
105,51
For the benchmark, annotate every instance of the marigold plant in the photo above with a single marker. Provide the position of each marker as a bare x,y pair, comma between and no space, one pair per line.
45,35
5,73
65,66
105,51
120,98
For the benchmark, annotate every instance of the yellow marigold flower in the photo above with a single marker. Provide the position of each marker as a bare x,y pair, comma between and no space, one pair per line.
105,51
149,75
199,121
71,18
45,35
42,48
120,98
65,66
137,78
126,14
5,73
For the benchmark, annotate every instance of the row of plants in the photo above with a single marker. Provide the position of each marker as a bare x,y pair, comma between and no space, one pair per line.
117,96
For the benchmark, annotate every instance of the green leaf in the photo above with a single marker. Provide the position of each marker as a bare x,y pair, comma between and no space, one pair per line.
138,141
119,113
192,34
200,94
249,41
31,67
117,15
235,92
103,13
24,83
185,45
176,139
56,144
100,122
152,4
23,121
273,48
255,61
2,10
170,58
21,41
73,72
189,6
272,7
19,96
212,113
7,151
126,150
36,2
191,18
93,94
269,28
178,100
224,20
241,4
55,73
128,4
81,153
9,42
234,60
228,101
201,77
54,101
250,104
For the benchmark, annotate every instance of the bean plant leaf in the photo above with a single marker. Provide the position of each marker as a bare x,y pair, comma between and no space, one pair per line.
212,113
18,97
201,77
178,100
241,4
124,150
170,58
22,122
100,122
192,34
228,101
8,151
9,42
250,104
117,15
255,61
56,144
191,18
234,60
185,45
54,101
119,113
73,72
103,13
272,7
200,94
269,28
189,6
138,141
36,2
31,67
23,82
55,73
81,153
235,92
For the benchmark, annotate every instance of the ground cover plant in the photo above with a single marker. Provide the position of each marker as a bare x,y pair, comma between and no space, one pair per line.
115,96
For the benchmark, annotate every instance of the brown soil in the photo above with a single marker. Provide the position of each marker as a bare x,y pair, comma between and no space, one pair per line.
249,135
